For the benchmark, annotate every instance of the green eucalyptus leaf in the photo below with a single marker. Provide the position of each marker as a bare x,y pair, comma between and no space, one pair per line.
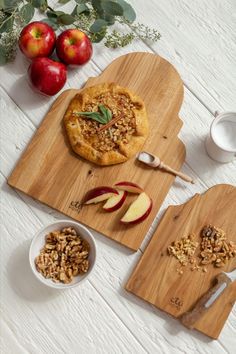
79,9
97,5
44,6
98,25
63,1
129,13
51,22
51,14
112,8
82,8
59,13
55,14
3,53
8,4
38,3
27,12
74,12
109,19
82,1
66,19
2,4
7,25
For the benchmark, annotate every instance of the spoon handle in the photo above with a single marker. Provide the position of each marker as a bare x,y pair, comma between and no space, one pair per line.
177,173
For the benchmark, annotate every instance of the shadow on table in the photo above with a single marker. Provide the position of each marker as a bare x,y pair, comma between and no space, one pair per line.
171,324
19,66
25,96
198,159
22,280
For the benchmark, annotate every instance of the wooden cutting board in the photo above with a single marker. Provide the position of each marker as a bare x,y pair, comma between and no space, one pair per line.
50,172
155,278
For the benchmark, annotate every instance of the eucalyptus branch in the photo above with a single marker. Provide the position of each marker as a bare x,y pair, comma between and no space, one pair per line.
97,18
9,17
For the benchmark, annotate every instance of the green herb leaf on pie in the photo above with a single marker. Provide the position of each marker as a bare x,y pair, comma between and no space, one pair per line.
103,117
106,113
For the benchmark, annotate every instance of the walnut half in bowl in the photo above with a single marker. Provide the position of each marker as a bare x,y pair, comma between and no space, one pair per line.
62,254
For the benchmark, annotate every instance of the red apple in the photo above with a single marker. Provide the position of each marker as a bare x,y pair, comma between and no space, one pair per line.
99,194
74,47
37,39
138,210
47,75
129,187
115,202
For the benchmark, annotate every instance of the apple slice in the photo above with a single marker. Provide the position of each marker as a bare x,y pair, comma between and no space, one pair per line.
99,194
129,187
138,210
115,202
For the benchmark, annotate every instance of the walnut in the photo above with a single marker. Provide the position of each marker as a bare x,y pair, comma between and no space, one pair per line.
64,256
215,249
124,127
183,250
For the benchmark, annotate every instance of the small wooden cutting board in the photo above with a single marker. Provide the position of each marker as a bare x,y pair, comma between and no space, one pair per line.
50,172
155,278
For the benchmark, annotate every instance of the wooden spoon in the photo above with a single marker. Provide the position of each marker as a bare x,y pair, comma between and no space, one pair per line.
154,161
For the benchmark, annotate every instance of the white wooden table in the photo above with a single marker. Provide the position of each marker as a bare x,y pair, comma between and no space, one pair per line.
198,38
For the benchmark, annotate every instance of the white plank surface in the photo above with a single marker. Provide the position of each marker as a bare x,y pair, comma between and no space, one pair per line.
100,317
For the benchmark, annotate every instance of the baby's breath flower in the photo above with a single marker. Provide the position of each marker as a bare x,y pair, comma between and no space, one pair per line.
8,41
116,39
85,14
2,16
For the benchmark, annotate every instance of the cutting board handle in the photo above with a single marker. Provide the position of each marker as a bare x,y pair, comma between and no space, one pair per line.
207,300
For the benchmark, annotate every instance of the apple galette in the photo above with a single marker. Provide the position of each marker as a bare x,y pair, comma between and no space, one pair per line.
106,124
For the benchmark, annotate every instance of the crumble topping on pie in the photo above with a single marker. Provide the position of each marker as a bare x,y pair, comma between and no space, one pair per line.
118,139
121,131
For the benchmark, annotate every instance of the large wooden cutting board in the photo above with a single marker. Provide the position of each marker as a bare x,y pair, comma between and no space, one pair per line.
155,278
50,172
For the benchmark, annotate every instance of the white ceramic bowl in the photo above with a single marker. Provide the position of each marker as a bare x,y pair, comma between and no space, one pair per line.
39,241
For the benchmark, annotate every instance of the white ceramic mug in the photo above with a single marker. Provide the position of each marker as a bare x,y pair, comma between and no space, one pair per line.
221,141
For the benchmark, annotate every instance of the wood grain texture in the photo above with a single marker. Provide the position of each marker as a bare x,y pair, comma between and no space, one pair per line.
190,30
50,172
42,320
155,278
152,329
148,325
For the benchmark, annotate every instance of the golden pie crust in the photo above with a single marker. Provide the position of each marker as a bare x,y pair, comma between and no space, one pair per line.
121,139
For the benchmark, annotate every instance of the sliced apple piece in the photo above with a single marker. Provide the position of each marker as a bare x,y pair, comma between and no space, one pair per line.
115,202
99,194
138,210
129,187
